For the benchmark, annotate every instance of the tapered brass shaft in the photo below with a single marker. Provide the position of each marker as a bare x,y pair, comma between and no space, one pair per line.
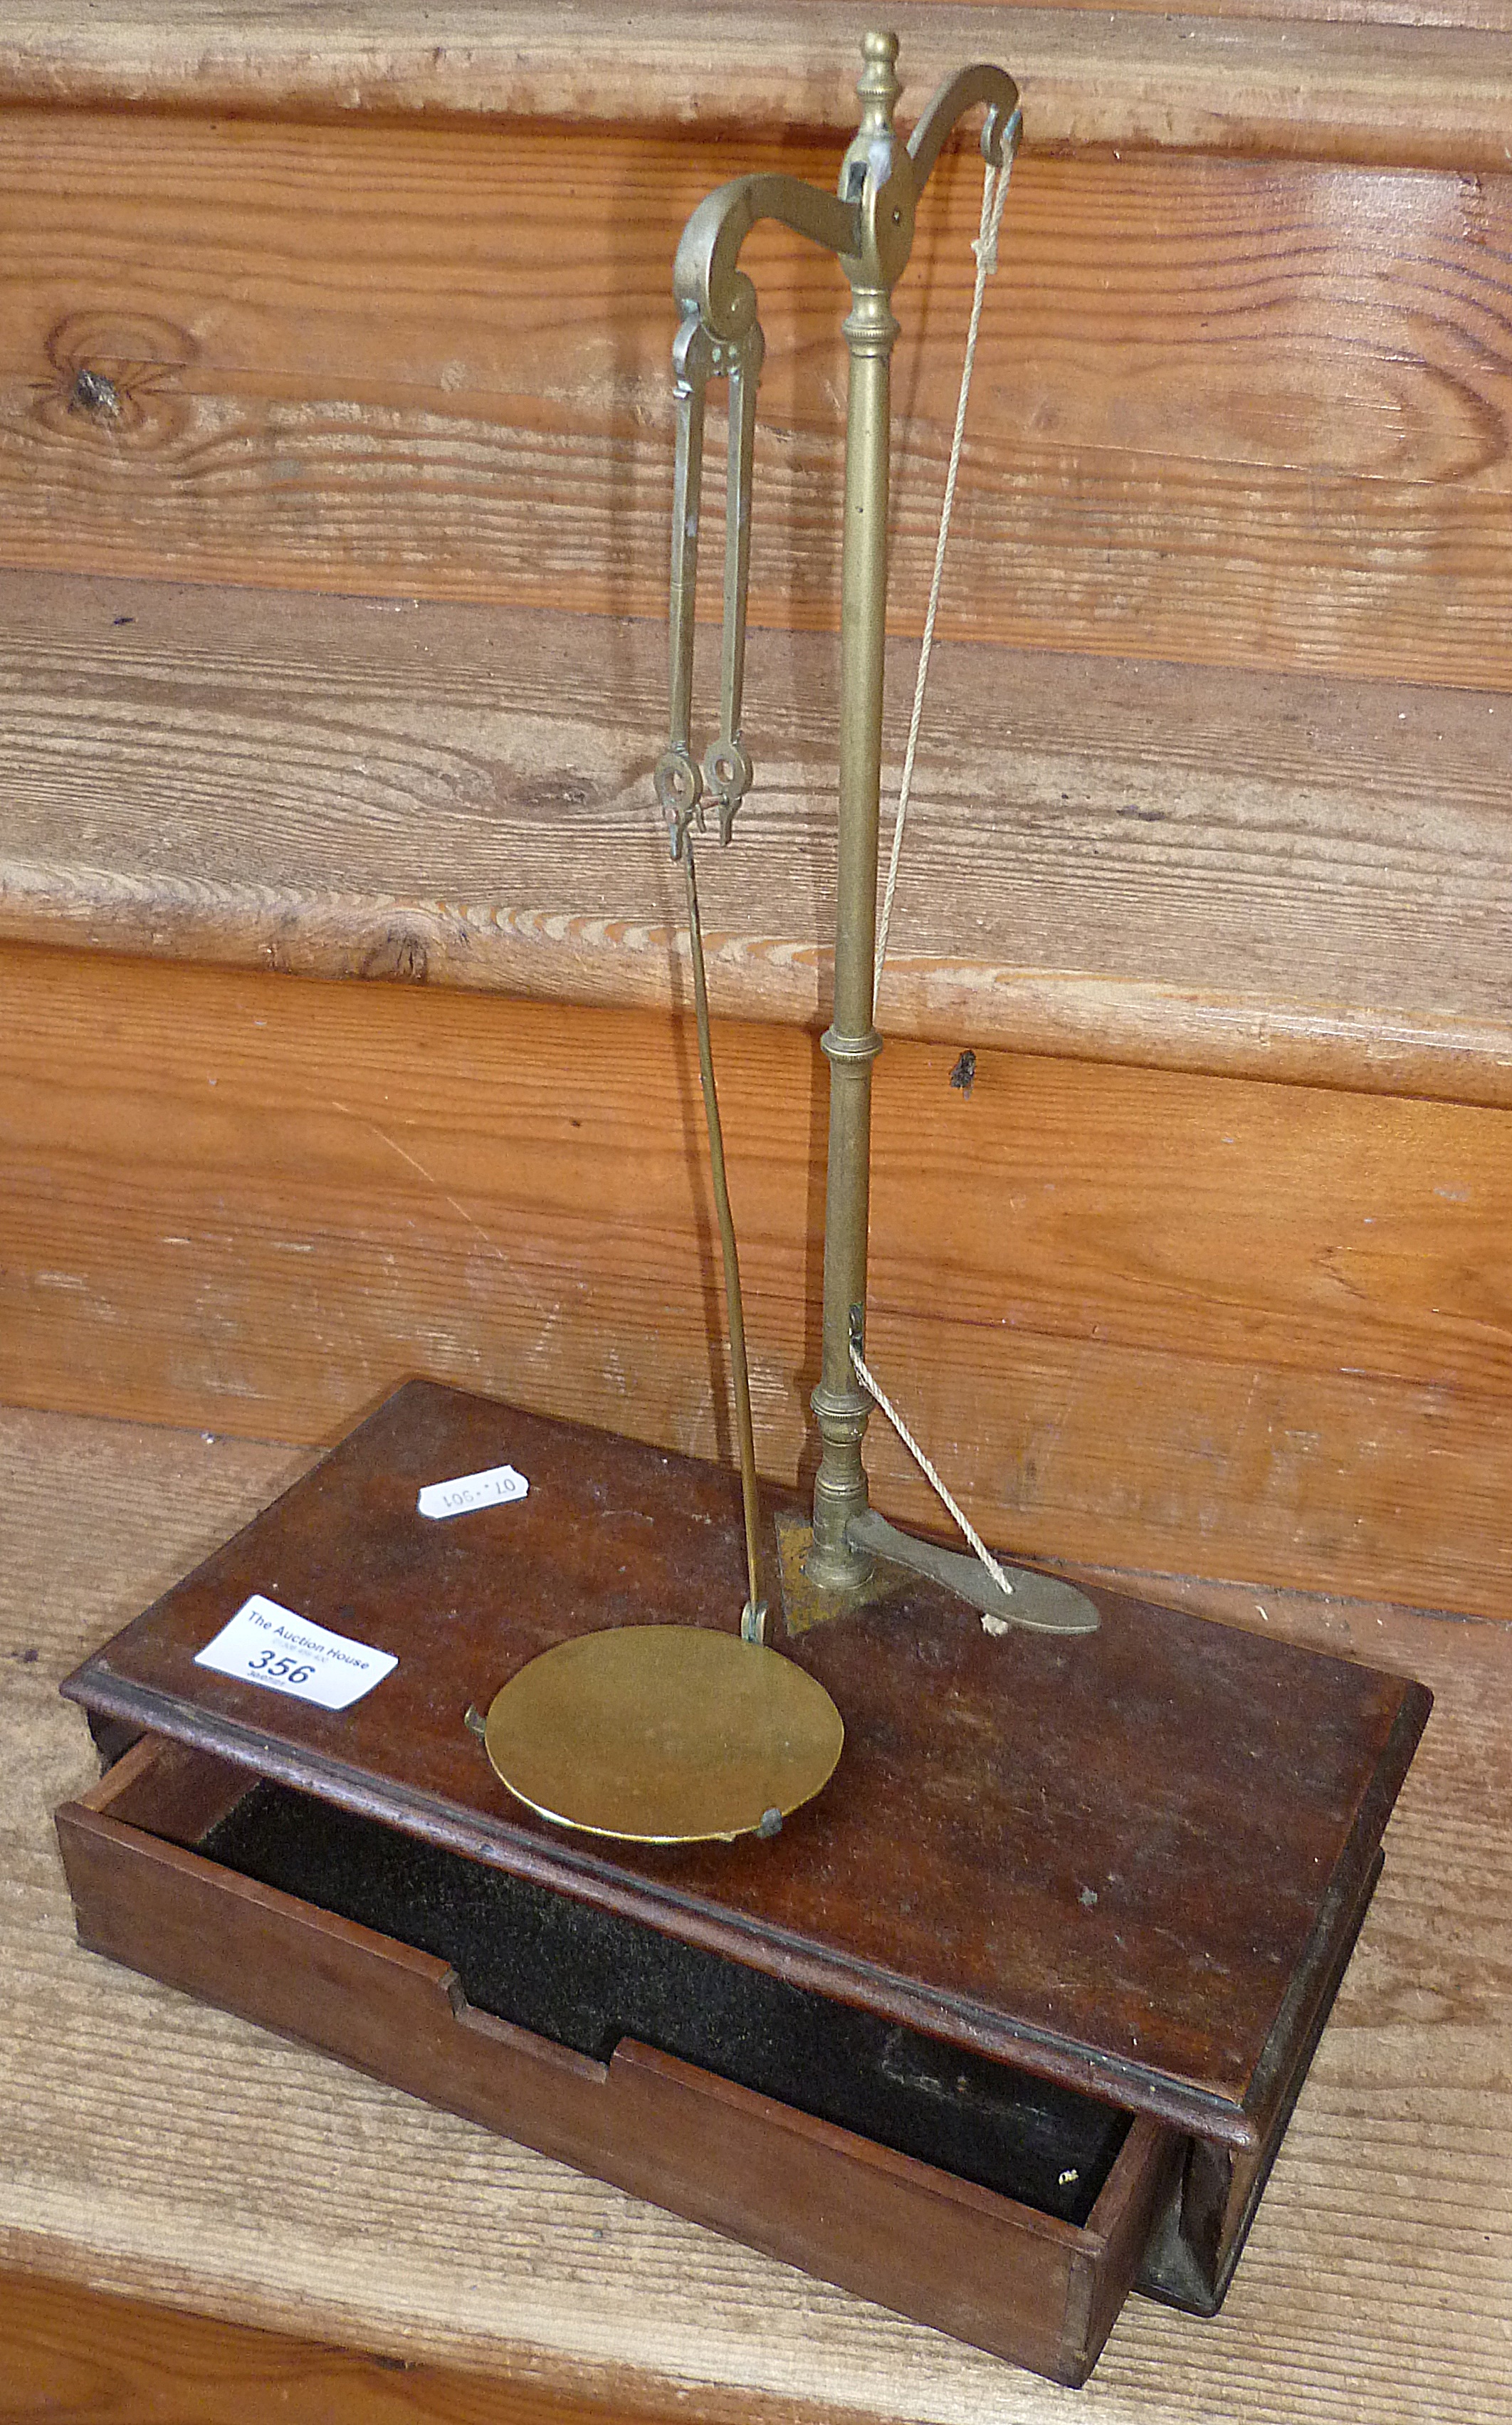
851,1043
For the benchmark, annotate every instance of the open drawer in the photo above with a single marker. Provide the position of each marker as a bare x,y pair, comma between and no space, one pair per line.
1010,2016
162,1860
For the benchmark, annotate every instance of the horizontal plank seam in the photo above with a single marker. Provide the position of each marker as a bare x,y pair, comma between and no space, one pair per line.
1128,1021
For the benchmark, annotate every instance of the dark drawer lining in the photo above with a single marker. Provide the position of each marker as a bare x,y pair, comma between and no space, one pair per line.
587,1978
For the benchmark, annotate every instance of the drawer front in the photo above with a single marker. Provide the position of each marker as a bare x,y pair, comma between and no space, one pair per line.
1024,2285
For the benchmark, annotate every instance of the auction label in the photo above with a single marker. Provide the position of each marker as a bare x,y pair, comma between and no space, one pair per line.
495,1488
267,1644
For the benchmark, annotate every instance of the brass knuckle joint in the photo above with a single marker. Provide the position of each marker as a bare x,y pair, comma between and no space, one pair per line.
679,793
727,770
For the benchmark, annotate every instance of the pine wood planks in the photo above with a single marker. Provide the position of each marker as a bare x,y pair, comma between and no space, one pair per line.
1418,82
1297,880
1139,1318
77,2351
1231,411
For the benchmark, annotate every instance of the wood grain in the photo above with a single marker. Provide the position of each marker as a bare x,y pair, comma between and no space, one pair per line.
1287,878
71,2353
1487,16
255,1204
1423,91
288,2192
1227,411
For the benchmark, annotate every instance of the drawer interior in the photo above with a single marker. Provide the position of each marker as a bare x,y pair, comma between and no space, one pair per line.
953,2188
587,1978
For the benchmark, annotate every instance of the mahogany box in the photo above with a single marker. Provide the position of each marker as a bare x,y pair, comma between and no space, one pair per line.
1007,2021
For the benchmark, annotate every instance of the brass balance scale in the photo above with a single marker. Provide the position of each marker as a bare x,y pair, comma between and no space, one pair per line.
955,1933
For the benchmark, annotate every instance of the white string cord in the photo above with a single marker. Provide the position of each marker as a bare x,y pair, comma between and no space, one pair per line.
870,1383
994,195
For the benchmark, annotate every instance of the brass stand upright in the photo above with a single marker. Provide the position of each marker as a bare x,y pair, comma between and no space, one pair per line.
851,1043
869,227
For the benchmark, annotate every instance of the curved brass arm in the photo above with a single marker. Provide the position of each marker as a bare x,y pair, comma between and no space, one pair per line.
951,102
704,276
869,226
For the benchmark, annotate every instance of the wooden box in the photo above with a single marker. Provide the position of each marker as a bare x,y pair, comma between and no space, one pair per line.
1009,2019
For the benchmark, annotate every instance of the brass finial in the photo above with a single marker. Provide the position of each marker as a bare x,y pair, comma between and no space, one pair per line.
878,90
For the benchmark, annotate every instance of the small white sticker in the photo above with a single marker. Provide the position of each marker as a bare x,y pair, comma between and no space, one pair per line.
267,1644
495,1488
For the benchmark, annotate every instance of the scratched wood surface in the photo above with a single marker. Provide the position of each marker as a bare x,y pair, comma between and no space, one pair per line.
1162,1319
1227,410
158,2149
1297,879
1430,90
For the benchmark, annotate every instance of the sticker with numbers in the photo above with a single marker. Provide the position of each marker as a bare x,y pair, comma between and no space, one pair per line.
267,1644
495,1488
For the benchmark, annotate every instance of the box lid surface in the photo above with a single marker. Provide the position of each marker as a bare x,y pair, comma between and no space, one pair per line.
1116,1859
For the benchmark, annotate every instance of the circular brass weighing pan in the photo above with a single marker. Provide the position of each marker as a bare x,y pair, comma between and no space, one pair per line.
663,1734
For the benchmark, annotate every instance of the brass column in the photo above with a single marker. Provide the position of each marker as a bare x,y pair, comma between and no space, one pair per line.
851,1043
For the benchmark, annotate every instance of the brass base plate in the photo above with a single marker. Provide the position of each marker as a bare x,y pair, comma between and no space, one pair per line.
663,1734
804,1604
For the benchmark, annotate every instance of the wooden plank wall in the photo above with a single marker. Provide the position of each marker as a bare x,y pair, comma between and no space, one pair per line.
1252,874
1243,402
1404,82
1172,1322
1227,410
72,2353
